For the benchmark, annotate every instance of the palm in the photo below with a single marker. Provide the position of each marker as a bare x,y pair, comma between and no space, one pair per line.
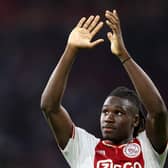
116,44
80,38
82,35
115,37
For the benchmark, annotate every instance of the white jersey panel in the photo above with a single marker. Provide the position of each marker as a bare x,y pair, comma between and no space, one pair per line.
151,158
80,150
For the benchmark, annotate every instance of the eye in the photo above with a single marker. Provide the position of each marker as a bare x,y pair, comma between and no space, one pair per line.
105,112
119,113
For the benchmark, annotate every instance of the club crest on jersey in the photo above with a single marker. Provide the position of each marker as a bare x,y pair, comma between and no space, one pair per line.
132,150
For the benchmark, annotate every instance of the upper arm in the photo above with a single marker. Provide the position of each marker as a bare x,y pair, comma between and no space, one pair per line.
157,130
61,125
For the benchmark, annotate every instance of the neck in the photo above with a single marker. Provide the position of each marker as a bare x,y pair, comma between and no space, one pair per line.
118,142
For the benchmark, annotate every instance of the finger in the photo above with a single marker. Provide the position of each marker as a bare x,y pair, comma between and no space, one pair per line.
108,12
95,43
109,36
115,13
114,27
96,29
113,20
94,23
81,21
87,23
112,17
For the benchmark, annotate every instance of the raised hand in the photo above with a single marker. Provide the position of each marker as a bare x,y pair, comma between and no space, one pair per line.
115,37
82,35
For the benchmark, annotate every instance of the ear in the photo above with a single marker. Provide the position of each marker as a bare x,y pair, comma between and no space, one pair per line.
136,120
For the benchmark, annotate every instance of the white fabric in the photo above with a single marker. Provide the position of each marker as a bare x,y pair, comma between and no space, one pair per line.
80,151
151,158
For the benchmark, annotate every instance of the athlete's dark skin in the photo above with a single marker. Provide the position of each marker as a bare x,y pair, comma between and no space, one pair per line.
119,116
116,111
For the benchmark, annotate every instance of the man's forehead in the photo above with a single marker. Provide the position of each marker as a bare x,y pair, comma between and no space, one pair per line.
112,100
126,104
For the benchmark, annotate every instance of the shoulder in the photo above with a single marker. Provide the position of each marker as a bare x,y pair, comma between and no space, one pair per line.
144,140
80,136
148,150
80,145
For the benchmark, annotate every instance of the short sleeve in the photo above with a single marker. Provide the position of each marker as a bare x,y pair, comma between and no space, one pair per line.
151,157
81,146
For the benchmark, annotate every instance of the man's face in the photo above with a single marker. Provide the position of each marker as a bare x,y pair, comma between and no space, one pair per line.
118,119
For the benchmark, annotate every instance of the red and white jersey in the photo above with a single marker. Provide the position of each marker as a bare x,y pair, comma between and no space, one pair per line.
86,151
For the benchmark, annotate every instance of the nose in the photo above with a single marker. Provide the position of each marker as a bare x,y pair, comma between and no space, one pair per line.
110,117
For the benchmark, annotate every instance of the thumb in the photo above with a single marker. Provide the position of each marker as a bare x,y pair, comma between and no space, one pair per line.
109,36
95,43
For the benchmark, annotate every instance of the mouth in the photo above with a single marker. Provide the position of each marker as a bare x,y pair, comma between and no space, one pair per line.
108,129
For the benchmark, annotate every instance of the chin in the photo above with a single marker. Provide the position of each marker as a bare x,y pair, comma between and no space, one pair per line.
107,137
111,137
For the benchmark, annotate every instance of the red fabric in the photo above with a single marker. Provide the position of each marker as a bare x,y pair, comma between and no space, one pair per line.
123,156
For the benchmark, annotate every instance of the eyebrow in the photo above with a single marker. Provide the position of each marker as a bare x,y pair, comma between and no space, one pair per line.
105,105
116,106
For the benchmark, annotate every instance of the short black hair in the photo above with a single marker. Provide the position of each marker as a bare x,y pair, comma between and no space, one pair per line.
131,95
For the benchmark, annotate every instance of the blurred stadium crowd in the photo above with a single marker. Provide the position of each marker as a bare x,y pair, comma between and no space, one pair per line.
33,35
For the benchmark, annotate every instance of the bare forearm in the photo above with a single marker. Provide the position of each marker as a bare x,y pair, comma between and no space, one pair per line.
52,95
156,121
144,86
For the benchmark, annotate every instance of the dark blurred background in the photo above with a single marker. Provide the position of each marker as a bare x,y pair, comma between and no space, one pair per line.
33,35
